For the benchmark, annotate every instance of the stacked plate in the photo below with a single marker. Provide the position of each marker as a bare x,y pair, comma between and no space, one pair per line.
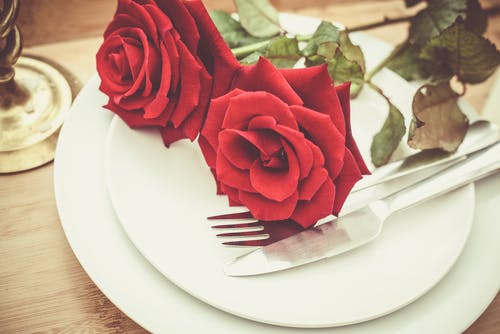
135,216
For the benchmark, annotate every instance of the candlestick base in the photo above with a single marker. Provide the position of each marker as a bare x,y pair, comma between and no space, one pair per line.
32,109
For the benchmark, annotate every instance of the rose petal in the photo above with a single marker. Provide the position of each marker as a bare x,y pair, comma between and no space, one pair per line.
169,44
129,18
162,22
343,92
131,13
263,76
208,141
160,102
318,157
213,50
300,146
132,103
208,151
309,186
135,119
134,52
183,22
121,66
137,37
111,80
347,178
232,176
157,70
265,209
192,124
274,184
238,150
170,134
243,107
262,122
314,85
190,86
307,213
325,135
265,141
232,195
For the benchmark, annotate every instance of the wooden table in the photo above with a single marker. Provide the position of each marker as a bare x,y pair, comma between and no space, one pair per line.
43,288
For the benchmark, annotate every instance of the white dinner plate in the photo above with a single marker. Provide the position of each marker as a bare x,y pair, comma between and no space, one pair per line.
138,289
163,196
133,285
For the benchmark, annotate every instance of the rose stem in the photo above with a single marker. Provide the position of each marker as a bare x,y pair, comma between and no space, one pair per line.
245,50
397,50
491,11
379,91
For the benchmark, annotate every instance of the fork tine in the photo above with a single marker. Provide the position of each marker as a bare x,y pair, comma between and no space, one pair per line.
238,215
244,234
249,243
256,233
239,225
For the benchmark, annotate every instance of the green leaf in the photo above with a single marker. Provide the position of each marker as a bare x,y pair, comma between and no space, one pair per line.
224,22
476,20
434,19
327,50
258,17
342,69
388,138
351,51
326,32
231,30
438,122
345,60
283,51
315,60
463,53
405,61
252,58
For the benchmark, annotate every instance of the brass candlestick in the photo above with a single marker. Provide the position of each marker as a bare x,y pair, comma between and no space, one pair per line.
34,95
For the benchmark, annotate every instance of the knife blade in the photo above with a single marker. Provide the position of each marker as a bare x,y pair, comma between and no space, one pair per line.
362,226
482,133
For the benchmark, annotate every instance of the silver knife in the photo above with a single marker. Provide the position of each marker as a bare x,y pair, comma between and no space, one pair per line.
480,134
362,226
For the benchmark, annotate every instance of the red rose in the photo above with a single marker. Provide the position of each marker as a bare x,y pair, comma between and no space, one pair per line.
158,62
280,143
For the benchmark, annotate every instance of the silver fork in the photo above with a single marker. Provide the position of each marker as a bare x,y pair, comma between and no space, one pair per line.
251,232
254,233
246,231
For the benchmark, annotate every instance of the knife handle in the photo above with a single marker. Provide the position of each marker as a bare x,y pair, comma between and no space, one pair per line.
479,165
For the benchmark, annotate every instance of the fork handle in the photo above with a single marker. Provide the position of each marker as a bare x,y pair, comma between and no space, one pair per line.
479,165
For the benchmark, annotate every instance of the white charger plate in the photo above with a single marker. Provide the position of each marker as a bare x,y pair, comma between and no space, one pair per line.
139,290
162,198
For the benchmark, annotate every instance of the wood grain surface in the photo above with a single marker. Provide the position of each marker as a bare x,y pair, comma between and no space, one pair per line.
43,288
